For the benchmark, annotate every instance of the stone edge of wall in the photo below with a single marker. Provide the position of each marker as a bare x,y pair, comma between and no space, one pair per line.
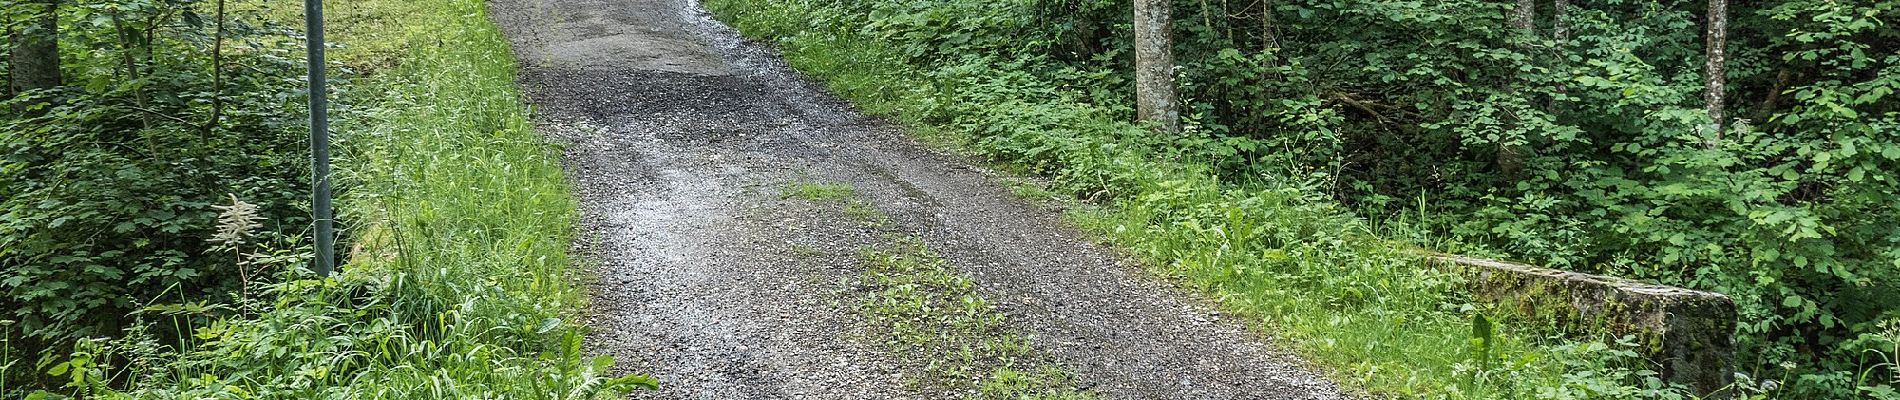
1688,334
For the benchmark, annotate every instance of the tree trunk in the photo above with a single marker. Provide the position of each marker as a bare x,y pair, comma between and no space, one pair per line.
1714,77
1560,33
1523,17
1767,107
128,44
1154,66
1269,38
35,56
1560,22
11,36
217,75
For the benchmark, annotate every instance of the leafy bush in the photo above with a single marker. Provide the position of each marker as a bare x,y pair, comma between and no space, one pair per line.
107,187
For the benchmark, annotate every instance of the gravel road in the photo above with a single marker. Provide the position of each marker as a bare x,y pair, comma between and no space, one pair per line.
682,135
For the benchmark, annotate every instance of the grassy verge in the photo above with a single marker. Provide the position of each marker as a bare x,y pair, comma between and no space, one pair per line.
476,218
926,310
459,284
1300,266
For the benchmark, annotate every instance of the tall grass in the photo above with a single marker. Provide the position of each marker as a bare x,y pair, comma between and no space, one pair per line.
473,216
1268,248
459,283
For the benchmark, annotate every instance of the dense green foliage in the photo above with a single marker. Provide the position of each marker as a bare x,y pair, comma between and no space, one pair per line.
1792,213
1452,130
444,295
108,186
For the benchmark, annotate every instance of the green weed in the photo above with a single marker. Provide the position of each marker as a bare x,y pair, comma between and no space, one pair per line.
819,191
854,206
864,212
806,252
928,310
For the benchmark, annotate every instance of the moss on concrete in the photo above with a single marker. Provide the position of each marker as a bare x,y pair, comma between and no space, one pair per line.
1687,333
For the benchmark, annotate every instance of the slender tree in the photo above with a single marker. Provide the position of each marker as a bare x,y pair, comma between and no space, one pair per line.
1523,17
1269,34
35,56
128,42
217,74
1560,34
1714,77
1560,21
1155,98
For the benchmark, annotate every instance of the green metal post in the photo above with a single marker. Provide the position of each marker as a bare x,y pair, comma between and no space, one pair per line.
320,142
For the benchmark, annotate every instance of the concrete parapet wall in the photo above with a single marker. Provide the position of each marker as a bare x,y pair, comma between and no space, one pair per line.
1689,334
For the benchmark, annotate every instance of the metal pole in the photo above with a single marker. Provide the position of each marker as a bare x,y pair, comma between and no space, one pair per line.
319,142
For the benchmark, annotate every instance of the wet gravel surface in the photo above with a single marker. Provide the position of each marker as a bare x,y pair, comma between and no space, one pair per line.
682,135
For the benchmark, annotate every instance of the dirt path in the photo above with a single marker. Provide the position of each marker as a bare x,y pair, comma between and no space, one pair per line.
683,135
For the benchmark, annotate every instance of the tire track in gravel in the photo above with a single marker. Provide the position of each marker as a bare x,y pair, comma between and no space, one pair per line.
680,135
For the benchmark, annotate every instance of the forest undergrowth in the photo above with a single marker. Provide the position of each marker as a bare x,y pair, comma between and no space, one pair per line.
443,294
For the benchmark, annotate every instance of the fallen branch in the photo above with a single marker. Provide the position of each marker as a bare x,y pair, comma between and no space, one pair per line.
1361,105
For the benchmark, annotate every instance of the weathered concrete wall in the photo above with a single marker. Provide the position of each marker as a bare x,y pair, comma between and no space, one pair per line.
1688,333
